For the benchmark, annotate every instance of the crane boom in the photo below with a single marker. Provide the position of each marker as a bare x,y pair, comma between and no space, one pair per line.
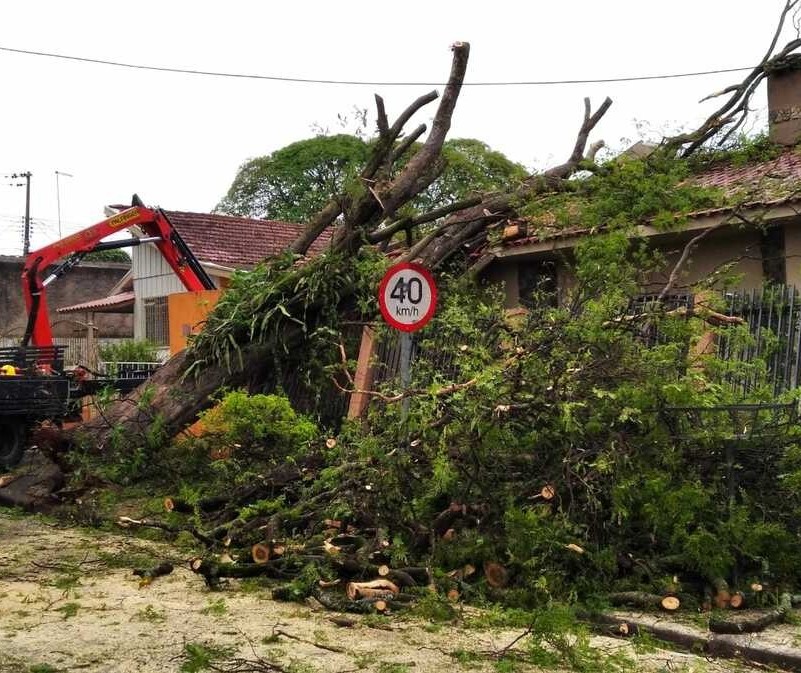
152,221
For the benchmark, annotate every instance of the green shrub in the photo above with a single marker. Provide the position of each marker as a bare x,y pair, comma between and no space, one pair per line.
261,425
129,350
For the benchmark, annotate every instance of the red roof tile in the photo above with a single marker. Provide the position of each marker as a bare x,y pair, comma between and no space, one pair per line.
116,303
765,181
237,241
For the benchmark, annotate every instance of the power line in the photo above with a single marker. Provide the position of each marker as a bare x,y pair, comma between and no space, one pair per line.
304,80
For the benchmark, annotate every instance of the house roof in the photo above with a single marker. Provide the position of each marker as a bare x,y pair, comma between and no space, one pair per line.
237,241
116,303
767,183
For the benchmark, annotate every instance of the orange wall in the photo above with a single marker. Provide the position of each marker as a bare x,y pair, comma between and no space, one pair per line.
186,311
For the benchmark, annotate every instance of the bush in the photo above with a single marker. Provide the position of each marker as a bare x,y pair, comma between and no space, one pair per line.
129,350
260,425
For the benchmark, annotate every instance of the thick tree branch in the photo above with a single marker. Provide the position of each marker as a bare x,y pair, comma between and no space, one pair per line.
406,185
404,145
429,216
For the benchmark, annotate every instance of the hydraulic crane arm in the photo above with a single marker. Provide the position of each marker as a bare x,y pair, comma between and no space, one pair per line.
158,230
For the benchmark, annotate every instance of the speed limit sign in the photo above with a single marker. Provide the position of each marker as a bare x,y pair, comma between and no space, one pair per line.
407,296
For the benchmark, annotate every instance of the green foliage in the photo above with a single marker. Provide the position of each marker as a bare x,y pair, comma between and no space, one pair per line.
129,350
69,610
108,256
260,424
215,608
625,192
296,181
150,614
278,298
202,656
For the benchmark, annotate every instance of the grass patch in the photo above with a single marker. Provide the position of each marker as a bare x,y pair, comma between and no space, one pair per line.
202,656
69,610
150,614
216,608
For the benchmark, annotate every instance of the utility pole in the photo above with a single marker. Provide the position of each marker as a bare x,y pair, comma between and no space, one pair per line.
26,235
26,241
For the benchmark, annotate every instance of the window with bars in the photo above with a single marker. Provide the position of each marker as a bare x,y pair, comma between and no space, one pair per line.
156,321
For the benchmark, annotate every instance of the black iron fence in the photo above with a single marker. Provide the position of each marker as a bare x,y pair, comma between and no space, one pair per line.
765,351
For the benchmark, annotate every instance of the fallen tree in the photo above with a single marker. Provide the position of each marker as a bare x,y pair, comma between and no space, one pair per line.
371,212
546,464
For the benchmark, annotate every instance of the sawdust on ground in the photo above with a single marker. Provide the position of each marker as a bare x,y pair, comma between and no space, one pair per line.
66,605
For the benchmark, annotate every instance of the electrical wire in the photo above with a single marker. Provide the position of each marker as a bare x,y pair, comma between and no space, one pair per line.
305,80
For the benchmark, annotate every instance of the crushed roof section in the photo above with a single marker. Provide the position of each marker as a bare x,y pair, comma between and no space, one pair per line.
113,304
238,242
763,182
768,183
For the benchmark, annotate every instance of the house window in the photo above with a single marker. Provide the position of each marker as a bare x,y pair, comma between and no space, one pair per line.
156,321
537,284
773,255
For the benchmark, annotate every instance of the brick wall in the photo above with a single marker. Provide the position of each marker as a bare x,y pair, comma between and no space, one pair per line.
91,280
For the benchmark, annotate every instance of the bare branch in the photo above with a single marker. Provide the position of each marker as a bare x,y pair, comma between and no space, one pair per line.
407,222
590,121
404,145
381,117
734,110
685,255
407,184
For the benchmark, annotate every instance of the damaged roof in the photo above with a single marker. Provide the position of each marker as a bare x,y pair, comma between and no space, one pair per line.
771,182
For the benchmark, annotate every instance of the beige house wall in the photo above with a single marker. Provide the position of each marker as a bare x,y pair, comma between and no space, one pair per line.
710,257
505,274
792,247
727,245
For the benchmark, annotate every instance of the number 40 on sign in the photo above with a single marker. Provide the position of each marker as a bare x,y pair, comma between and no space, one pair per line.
407,296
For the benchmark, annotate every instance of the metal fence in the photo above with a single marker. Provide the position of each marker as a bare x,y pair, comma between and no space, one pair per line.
77,348
438,352
766,350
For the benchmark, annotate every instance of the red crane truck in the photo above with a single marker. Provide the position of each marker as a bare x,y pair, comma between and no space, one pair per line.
34,384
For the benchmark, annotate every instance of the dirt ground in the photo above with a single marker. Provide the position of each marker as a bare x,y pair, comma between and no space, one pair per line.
68,602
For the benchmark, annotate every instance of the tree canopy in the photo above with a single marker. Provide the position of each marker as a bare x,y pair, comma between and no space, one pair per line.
296,181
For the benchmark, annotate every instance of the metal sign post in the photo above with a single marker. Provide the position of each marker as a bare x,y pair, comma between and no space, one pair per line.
407,296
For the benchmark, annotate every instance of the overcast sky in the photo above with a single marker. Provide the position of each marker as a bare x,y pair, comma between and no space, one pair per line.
177,140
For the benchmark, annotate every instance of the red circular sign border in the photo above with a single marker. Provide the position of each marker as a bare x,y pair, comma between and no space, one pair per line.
425,273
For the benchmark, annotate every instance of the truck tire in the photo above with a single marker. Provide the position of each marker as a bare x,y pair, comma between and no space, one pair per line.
13,435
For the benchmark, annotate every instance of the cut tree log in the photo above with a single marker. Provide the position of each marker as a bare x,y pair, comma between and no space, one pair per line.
399,577
496,574
722,595
213,572
260,553
720,645
174,504
356,590
147,575
642,599
754,624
